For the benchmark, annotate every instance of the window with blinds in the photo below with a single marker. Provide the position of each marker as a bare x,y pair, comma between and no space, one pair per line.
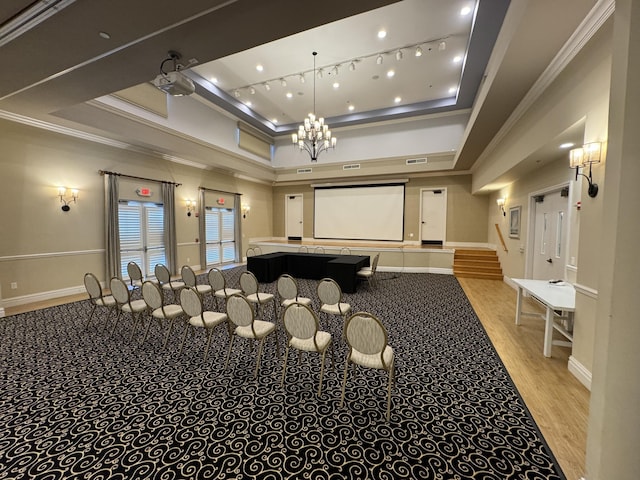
220,244
141,236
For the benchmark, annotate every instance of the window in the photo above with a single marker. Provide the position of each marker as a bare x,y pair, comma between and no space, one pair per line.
219,235
141,236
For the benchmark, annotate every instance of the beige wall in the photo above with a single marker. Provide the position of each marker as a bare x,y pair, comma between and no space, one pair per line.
44,249
466,213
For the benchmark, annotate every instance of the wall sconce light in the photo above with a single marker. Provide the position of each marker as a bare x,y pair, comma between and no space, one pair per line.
589,153
62,192
501,202
191,206
245,209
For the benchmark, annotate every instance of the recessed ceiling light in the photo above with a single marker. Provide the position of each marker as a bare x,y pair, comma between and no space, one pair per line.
248,104
397,99
465,11
104,35
336,85
391,73
566,145
259,68
457,59
452,90
289,95
351,108
274,120
214,79
382,33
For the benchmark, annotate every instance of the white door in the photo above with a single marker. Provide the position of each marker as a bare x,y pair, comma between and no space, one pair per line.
141,230
550,236
220,244
293,213
433,216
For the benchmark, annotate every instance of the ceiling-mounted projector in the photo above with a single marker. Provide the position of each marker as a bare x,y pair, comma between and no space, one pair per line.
175,82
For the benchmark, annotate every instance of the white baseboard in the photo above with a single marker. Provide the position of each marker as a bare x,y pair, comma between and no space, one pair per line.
42,296
443,271
580,372
1,312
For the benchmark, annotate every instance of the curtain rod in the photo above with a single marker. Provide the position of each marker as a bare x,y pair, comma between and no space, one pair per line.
217,190
105,172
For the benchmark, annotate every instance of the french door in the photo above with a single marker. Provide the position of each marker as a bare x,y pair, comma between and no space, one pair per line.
141,228
220,241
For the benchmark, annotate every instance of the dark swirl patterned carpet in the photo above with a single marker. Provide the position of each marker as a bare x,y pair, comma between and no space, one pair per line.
80,404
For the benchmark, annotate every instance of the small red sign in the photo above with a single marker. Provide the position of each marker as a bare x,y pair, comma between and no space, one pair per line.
221,201
144,192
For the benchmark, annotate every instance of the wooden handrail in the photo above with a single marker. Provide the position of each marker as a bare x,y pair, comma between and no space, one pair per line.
501,238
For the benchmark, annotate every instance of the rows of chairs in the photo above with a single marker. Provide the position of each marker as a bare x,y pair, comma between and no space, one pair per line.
243,308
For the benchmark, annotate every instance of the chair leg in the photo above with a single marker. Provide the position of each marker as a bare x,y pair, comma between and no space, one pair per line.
226,362
206,351
166,340
391,369
116,323
136,318
284,366
255,374
184,337
146,331
90,316
344,382
321,372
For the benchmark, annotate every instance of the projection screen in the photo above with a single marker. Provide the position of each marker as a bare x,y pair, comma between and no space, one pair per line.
359,212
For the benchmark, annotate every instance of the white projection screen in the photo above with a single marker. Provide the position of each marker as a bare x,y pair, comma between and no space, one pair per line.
359,212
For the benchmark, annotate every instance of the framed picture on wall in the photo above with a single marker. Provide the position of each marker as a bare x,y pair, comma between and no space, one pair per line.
514,221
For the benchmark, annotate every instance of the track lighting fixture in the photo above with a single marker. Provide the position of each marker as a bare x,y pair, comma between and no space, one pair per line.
418,51
399,55
352,66
379,60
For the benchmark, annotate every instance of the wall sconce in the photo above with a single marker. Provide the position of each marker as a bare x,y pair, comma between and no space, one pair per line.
62,191
589,153
501,202
191,206
245,209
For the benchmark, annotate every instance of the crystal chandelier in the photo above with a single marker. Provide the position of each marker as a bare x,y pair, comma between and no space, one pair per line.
314,135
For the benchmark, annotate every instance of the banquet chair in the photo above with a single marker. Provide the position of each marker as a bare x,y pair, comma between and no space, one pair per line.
191,302
250,252
369,273
366,338
190,280
288,292
219,285
250,289
257,250
244,324
303,334
122,295
330,295
152,295
164,277
303,249
318,250
92,285
135,275
345,251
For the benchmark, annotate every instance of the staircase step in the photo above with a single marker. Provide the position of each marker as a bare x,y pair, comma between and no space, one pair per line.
480,263
476,263
464,269
470,251
481,275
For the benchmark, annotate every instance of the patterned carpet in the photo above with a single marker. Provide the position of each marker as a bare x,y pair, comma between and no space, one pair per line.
80,404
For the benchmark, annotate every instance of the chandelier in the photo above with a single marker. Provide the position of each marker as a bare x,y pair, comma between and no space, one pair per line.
314,135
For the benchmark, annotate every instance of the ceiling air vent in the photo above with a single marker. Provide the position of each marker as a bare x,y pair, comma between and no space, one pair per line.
305,170
416,161
353,166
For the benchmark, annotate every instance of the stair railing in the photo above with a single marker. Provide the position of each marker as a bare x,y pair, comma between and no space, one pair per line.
501,238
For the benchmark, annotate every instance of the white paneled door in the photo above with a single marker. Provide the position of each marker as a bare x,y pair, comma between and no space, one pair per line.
219,224
293,212
433,216
550,236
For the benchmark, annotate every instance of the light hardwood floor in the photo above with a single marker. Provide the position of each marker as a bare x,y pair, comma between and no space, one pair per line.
558,402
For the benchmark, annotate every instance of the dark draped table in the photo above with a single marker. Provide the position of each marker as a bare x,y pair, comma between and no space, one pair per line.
341,268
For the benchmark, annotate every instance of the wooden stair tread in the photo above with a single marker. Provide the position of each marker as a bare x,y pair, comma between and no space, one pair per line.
477,263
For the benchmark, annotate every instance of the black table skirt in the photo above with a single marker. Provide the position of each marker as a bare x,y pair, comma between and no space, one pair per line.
342,268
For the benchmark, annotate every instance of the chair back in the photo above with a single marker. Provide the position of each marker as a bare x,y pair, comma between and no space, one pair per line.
134,272
152,295
250,252
329,291
374,265
162,274
257,250
303,249
248,283
239,310
365,333
92,286
216,279
188,276
345,251
300,321
287,287
191,302
119,291
319,250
